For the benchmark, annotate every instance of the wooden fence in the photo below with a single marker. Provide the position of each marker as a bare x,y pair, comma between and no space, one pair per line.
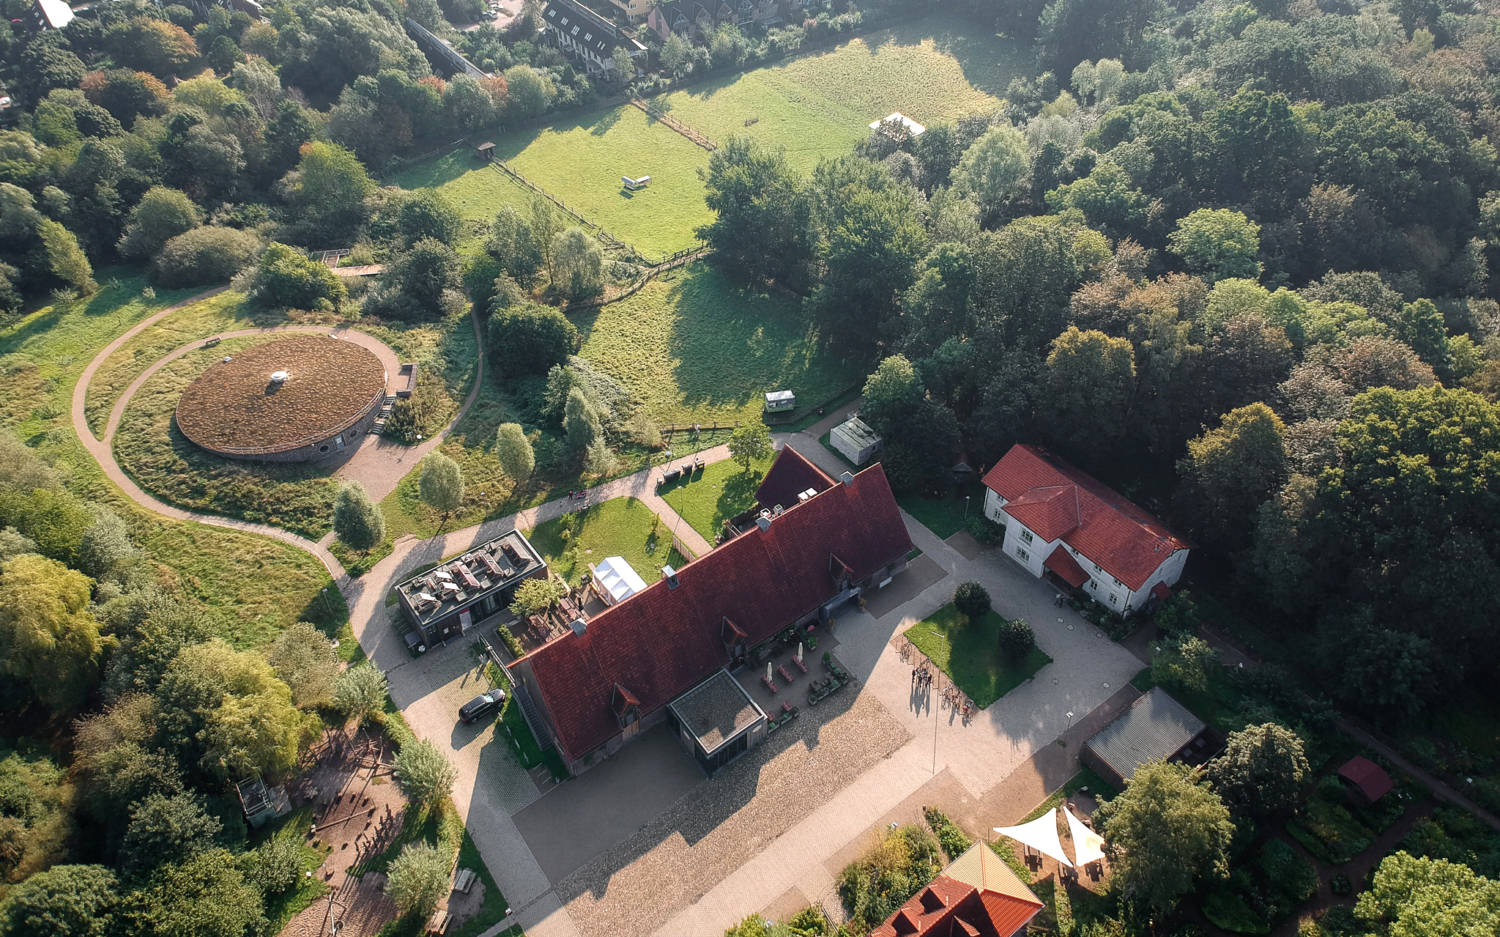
672,123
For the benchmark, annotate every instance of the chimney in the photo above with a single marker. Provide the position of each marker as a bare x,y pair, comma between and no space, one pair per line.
579,626
847,478
763,521
670,575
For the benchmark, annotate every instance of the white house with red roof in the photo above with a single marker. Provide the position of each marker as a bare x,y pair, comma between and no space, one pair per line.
1063,523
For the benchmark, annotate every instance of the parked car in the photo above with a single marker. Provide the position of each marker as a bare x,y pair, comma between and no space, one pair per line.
482,705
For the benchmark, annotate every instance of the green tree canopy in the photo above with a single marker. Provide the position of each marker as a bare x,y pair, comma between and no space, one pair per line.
514,453
441,484
1230,471
1262,770
762,231
418,878
1216,243
305,660
49,640
285,278
1418,897
357,520
327,191
205,896
424,773
529,339
1165,833
63,901
167,829
993,169
750,443
360,691
577,264
1089,378
159,216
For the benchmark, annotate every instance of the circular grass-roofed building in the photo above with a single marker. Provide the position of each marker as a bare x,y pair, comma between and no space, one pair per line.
291,400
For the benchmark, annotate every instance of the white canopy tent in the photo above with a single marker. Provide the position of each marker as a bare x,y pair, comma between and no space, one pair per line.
1088,846
1040,834
617,579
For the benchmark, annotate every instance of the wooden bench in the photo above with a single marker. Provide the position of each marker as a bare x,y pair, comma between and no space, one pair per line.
785,674
800,665
464,881
769,685
438,923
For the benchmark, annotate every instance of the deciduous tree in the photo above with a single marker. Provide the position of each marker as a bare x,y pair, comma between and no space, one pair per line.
529,339
418,878
1216,243
1420,897
1089,377
750,442
514,453
1230,471
441,484
993,169
1262,769
63,901
762,230
359,692
357,521
49,641
424,773
1165,833
305,660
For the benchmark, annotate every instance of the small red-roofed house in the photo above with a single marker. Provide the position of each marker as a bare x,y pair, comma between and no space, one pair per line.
1065,524
976,896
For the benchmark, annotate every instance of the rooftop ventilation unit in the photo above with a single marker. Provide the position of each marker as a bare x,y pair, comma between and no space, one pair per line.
670,575
847,478
578,625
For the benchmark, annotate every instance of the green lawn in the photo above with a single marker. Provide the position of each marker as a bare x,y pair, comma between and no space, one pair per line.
696,350
254,586
970,656
815,105
719,492
619,527
947,515
934,70
296,496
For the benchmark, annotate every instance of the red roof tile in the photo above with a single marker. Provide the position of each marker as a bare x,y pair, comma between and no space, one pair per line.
1062,563
663,641
1049,512
791,474
958,910
1110,530
1366,775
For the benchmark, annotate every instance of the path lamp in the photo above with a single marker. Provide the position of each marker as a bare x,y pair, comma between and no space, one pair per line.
966,506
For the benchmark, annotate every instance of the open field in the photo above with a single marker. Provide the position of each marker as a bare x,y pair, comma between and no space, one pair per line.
695,350
934,70
970,655
254,587
296,496
716,494
816,105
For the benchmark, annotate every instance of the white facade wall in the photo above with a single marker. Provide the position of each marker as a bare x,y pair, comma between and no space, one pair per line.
1102,586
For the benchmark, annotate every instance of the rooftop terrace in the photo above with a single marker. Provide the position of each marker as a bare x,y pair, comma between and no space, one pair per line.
468,578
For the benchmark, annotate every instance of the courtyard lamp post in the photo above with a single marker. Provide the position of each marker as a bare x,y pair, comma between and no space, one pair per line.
966,506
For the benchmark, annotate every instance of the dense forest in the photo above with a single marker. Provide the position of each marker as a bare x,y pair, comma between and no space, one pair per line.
1232,258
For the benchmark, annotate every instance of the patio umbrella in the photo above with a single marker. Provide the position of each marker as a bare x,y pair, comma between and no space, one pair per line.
1040,834
1088,846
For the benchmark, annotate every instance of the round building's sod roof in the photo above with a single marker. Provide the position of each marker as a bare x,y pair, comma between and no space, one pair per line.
235,406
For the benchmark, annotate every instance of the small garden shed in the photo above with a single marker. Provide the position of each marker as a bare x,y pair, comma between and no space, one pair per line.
855,441
484,152
780,401
1155,728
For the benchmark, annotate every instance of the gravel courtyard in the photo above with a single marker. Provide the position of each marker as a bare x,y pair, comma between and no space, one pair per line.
641,882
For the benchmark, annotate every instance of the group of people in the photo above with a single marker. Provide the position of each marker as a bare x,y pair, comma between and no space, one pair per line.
921,678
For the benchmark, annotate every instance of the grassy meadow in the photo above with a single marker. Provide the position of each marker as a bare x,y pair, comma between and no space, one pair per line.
714,495
254,586
694,349
816,105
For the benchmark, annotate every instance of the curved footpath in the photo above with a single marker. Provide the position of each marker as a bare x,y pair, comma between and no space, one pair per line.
503,849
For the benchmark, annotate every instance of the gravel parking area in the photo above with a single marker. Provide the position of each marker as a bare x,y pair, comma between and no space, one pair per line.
640,883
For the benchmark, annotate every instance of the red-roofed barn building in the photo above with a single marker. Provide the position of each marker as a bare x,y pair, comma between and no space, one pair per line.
669,652
1065,524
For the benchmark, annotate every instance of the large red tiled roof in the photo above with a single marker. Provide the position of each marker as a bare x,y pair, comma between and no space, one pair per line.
1110,530
791,474
661,642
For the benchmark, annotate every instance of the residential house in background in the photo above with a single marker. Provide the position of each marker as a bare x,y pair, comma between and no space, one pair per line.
670,652
976,896
601,47
698,19
1064,524
50,14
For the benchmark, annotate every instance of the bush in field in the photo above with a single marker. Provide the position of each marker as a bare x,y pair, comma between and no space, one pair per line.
203,256
878,883
1016,639
425,775
418,878
972,600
